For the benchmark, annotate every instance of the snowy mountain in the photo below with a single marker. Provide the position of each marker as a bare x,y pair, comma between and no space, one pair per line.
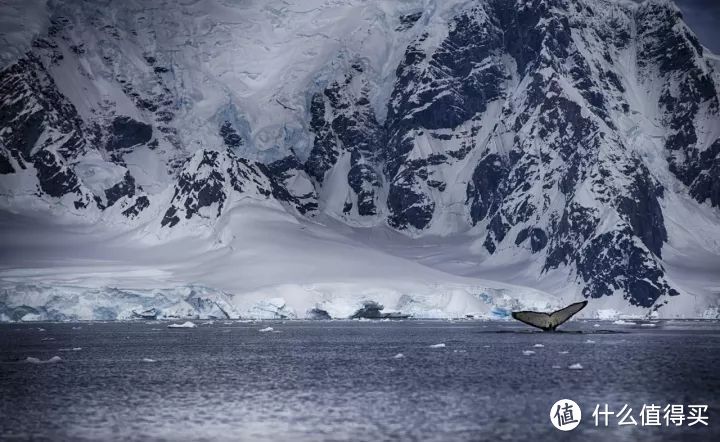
276,159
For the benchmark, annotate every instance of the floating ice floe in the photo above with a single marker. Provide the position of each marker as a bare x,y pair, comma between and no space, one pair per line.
399,356
621,322
538,346
148,360
266,329
528,352
70,349
186,324
596,325
77,328
589,341
437,346
564,352
53,360
575,367
648,325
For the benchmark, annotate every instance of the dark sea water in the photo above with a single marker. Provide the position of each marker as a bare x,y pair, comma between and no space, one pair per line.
340,380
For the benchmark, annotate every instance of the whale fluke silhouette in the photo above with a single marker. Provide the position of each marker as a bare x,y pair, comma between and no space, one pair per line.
549,321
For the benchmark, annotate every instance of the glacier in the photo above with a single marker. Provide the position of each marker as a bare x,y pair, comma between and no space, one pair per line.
268,159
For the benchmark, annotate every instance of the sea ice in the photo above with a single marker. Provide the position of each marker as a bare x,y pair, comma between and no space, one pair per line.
399,356
589,341
528,352
575,367
564,352
437,346
266,329
621,322
538,346
148,360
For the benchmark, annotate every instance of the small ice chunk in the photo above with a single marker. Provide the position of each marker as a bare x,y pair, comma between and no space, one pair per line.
648,325
460,351
564,352
52,360
77,328
538,346
621,322
266,329
442,345
47,339
70,349
486,346
575,367
399,356
528,352
148,360
41,329
596,325
589,341
186,324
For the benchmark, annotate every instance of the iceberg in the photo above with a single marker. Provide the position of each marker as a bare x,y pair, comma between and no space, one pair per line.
186,324
53,360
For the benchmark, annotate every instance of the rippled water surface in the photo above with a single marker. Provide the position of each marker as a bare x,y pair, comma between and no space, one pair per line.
341,380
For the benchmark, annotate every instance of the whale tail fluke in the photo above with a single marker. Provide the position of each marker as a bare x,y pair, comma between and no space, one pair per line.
549,321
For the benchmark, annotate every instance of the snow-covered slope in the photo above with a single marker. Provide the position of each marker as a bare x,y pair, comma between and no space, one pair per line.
440,157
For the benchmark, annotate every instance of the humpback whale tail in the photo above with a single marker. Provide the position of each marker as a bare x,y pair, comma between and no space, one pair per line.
549,321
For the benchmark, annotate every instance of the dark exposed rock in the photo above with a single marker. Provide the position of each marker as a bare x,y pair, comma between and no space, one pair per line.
230,135
318,314
365,181
5,166
408,21
373,310
142,203
126,132
280,173
484,191
55,179
126,187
